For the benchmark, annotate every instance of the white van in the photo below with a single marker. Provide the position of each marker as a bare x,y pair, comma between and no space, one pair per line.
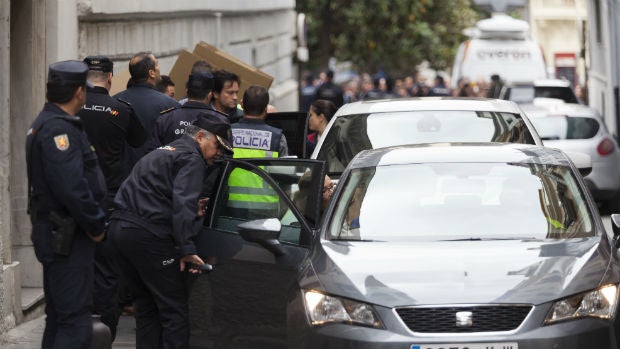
499,45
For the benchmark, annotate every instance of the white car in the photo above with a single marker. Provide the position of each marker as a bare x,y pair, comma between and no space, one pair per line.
578,128
381,123
525,92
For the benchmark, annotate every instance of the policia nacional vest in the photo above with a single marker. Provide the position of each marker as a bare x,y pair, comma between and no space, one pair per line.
253,139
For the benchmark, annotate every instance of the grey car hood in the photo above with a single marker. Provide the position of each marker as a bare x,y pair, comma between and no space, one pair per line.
506,271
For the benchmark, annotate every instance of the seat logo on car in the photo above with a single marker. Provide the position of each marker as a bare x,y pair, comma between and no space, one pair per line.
464,319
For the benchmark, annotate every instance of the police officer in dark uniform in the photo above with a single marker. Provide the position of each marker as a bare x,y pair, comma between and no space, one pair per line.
249,196
330,90
440,88
154,227
66,187
110,124
146,101
252,137
171,124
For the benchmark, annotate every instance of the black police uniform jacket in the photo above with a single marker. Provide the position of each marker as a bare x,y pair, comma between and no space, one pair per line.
269,140
161,193
63,171
233,115
331,92
170,125
147,103
111,124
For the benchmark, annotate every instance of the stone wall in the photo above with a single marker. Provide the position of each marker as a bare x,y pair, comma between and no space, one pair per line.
260,33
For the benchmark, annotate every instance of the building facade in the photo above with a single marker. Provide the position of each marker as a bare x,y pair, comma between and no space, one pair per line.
604,53
560,28
35,33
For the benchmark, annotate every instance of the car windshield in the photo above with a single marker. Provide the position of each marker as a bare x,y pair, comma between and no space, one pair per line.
563,127
351,134
461,201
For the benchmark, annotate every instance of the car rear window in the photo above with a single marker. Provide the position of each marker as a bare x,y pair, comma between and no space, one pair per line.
564,93
351,134
526,94
563,127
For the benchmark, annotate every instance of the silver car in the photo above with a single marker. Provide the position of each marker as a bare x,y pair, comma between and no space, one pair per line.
443,245
381,123
578,128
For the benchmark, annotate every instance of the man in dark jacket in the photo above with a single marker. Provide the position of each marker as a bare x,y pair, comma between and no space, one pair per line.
171,124
146,101
330,90
154,228
440,88
110,124
226,94
65,188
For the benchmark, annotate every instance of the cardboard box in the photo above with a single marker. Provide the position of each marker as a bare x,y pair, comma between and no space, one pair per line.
219,59
119,82
180,71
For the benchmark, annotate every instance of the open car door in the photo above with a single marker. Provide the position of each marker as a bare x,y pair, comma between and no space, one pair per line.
256,250
294,125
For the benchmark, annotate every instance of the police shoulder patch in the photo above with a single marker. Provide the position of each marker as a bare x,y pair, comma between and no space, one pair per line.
62,142
167,147
124,101
167,110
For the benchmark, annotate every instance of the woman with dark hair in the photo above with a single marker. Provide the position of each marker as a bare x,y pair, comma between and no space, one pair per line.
321,111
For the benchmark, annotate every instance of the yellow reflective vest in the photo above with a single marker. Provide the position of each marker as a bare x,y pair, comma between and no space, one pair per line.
246,189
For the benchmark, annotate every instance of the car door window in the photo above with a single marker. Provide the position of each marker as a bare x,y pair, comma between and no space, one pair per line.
246,194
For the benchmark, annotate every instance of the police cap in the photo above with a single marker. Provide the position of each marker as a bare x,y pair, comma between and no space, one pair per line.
220,128
201,81
101,63
70,72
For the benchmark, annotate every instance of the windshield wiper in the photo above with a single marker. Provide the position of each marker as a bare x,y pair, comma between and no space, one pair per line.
360,240
529,238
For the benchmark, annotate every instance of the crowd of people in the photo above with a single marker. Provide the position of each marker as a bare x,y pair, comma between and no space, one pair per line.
367,87
117,187
378,86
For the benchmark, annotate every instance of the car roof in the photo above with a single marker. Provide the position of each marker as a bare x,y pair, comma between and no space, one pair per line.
542,106
540,83
428,103
459,152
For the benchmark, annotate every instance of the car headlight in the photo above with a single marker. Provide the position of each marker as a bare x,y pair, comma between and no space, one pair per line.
323,308
599,303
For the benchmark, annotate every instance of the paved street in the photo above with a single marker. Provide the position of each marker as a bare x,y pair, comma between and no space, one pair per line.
28,335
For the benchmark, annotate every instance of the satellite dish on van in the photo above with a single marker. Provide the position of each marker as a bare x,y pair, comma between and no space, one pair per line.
502,26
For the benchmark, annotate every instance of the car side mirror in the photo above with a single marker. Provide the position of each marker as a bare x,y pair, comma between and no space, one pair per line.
264,232
582,161
615,227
